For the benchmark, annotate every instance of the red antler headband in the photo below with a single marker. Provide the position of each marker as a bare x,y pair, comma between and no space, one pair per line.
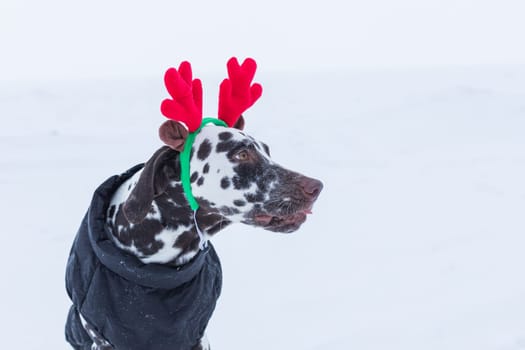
186,103
236,94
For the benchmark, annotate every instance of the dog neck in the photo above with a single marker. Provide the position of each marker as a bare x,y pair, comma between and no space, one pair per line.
169,232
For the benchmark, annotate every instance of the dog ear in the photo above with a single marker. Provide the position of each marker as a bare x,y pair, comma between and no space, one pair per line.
239,124
153,181
173,134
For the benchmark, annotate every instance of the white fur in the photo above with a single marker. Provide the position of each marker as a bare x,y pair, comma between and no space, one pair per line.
205,344
122,193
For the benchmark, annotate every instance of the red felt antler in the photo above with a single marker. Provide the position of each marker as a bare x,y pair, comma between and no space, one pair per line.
186,103
237,93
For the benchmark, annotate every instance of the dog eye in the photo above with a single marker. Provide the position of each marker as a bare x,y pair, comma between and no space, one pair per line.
242,156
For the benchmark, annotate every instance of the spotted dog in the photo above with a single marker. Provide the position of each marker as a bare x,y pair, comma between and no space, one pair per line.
143,274
234,179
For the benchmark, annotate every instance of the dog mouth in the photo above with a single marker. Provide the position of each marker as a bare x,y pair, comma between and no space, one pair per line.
282,223
287,207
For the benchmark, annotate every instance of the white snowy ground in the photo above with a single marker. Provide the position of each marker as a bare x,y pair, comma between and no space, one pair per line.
417,241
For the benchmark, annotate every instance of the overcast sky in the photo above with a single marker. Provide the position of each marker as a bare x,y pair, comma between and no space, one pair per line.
66,39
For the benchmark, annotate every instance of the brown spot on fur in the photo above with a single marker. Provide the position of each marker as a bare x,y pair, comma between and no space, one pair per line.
204,150
225,182
194,177
187,241
225,135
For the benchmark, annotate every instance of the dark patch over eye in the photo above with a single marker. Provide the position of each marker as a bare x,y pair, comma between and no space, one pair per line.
204,150
225,182
226,146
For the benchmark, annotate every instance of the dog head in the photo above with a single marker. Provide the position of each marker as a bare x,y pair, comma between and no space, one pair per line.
233,173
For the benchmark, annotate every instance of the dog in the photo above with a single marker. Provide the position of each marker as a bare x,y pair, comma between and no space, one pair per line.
143,273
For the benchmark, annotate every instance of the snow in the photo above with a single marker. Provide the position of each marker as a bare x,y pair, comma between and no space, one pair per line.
415,243
119,38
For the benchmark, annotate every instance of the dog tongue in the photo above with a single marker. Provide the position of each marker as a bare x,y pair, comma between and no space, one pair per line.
264,219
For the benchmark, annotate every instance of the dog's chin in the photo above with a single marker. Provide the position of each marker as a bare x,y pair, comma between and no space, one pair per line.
281,223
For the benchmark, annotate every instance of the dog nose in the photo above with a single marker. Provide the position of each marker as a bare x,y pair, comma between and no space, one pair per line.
311,187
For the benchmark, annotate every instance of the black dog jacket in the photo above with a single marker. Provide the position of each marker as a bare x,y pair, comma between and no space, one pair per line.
132,305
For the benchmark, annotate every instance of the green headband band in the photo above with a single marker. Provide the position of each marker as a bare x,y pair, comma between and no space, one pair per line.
185,160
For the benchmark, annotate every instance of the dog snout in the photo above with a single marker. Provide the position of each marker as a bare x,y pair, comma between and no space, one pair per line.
311,187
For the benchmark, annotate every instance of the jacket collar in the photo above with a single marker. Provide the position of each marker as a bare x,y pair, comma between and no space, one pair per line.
124,264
